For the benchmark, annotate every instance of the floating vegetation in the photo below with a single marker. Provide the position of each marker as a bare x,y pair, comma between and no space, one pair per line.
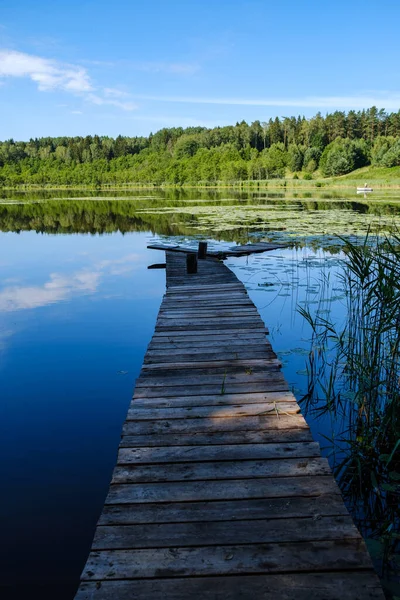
243,217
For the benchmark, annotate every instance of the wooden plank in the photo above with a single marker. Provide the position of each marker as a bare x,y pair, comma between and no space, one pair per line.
221,268
217,333
224,510
218,304
182,290
221,470
252,342
223,412
209,424
183,347
206,304
223,380
193,491
218,319
258,364
195,346
225,560
179,277
203,290
208,377
187,314
249,367
136,456
351,585
267,531
272,385
216,297
234,364
195,326
154,357
202,306
243,250
217,400
266,436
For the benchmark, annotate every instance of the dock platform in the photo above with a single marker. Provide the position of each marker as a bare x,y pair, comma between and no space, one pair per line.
219,491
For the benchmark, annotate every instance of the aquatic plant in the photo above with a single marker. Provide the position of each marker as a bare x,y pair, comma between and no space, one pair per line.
353,375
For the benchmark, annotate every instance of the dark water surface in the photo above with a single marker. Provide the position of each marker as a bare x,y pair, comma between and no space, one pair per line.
77,310
76,315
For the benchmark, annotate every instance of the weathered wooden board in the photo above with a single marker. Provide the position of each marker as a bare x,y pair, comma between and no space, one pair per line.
240,250
352,585
333,555
251,367
209,424
184,355
248,366
193,491
203,377
165,535
219,491
219,333
224,510
195,412
208,340
136,456
266,436
271,384
239,469
216,400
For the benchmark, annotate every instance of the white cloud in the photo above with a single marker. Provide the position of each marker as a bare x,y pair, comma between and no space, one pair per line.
62,287
76,112
48,74
173,68
114,93
119,266
389,101
58,288
99,101
51,75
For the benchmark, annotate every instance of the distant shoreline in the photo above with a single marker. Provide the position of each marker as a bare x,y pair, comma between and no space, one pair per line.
283,184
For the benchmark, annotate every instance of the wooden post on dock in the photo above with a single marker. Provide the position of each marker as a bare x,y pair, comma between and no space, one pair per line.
202,251
191,262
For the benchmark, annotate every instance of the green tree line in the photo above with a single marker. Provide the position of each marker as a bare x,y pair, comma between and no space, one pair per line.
334,144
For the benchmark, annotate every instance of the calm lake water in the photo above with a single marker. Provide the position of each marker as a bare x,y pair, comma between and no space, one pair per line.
77,310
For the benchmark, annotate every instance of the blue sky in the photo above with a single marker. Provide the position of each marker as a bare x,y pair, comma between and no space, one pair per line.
129,67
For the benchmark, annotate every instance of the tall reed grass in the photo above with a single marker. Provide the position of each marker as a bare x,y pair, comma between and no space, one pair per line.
354,375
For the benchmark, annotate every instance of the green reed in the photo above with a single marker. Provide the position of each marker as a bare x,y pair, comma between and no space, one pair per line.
354,375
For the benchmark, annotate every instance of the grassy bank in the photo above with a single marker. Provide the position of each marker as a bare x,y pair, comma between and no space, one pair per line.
377,177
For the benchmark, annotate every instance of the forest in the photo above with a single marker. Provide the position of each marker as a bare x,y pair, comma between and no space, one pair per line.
328,146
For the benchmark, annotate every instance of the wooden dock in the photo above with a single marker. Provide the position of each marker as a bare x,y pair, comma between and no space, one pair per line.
240,250
219,491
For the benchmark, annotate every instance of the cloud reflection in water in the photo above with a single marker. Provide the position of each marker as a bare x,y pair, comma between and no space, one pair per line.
63,286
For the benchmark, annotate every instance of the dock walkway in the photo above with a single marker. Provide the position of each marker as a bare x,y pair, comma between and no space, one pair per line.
219,491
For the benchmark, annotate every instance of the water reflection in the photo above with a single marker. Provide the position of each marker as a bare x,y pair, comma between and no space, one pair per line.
67,369
238,218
